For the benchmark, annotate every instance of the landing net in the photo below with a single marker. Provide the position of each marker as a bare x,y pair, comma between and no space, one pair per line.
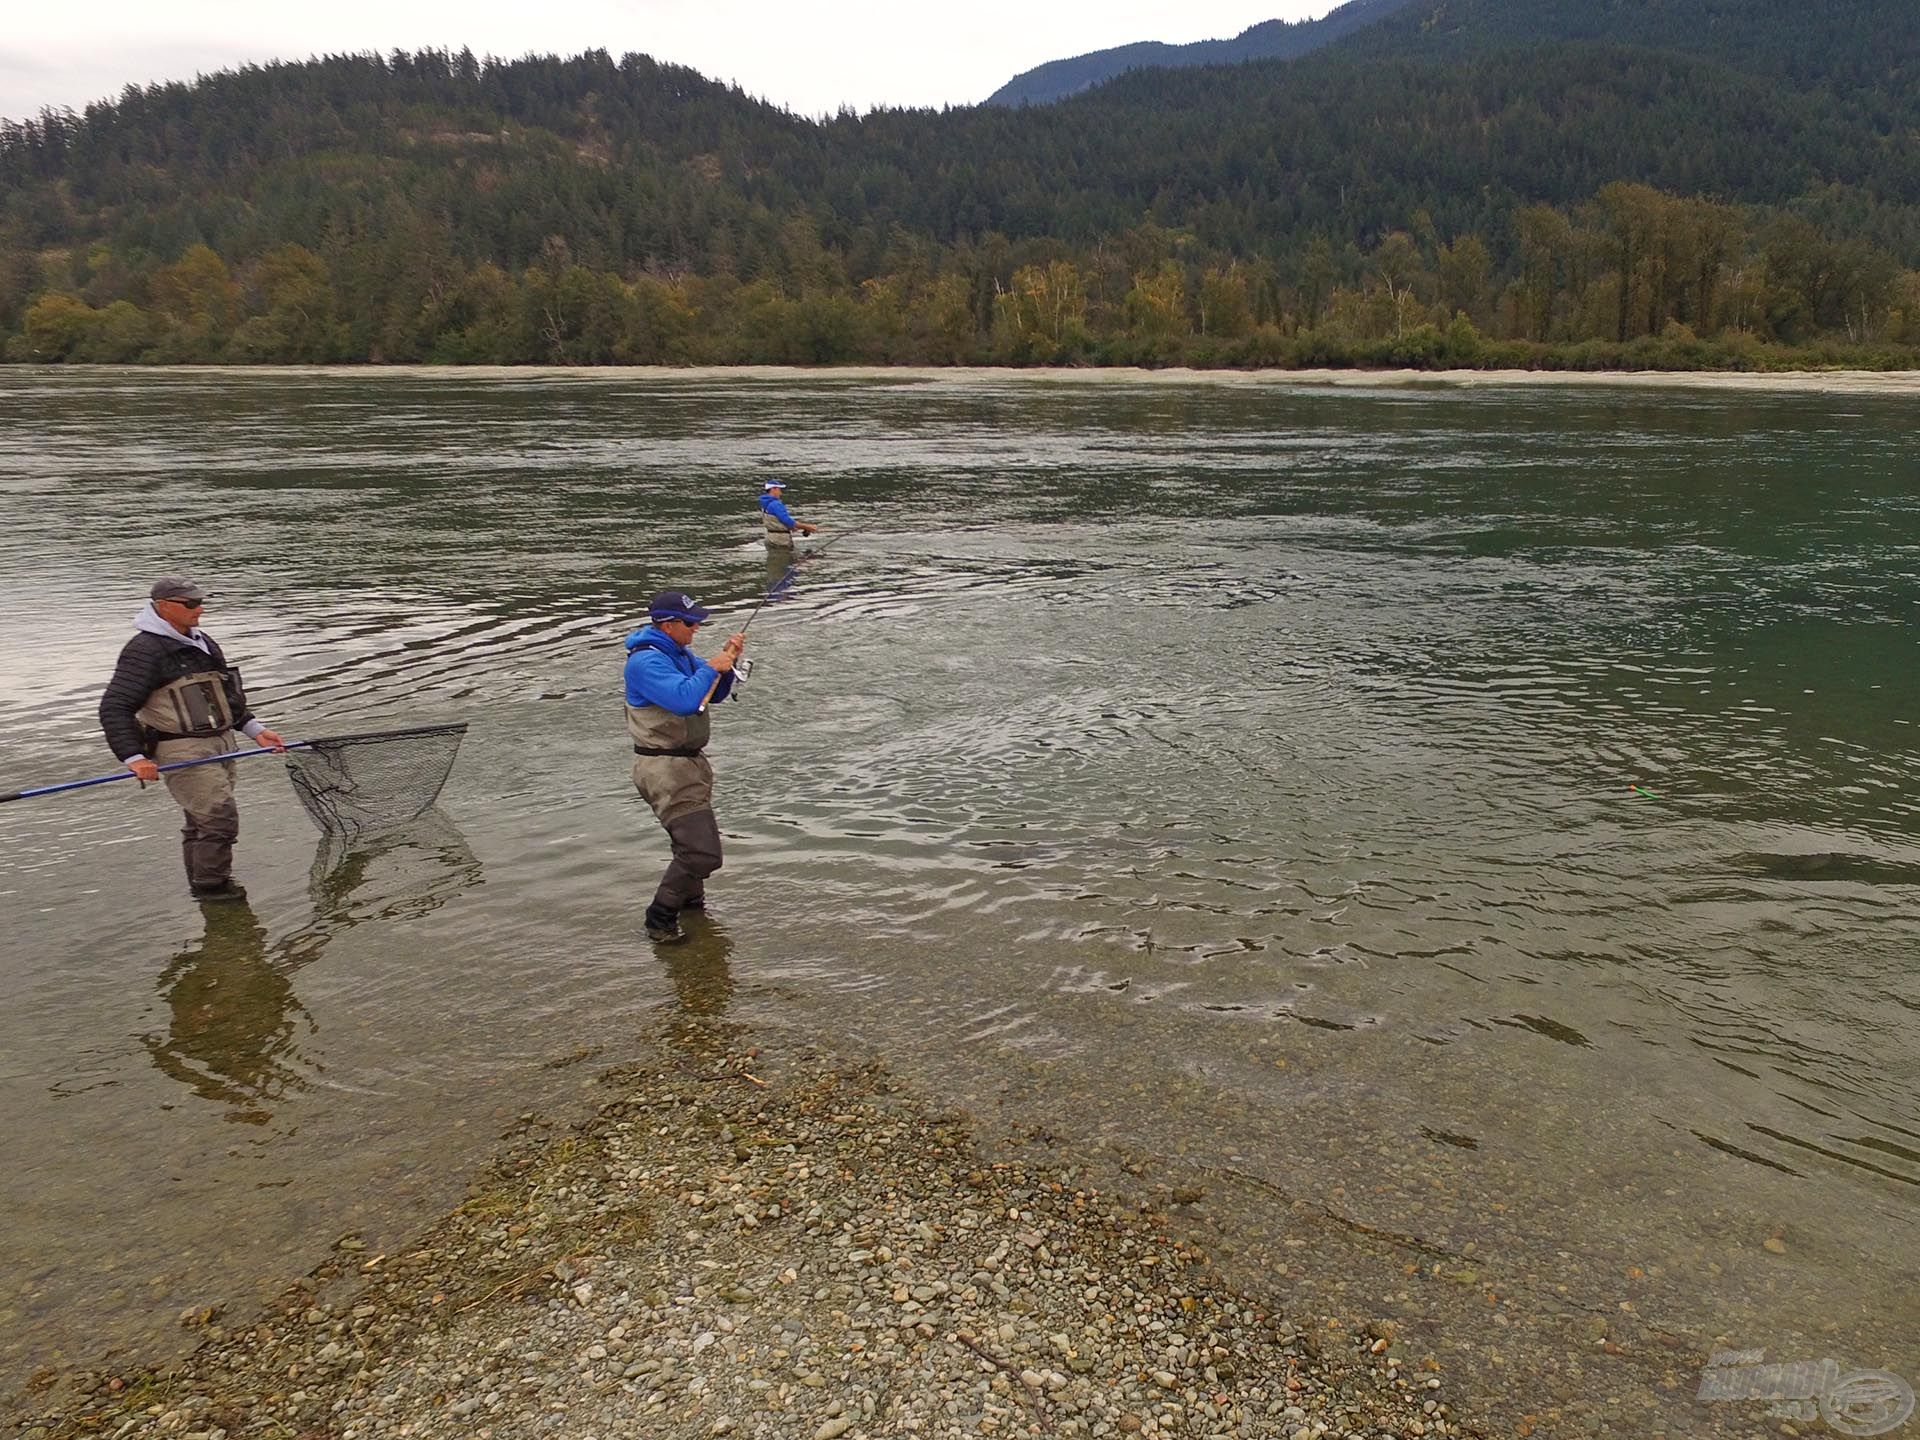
352,784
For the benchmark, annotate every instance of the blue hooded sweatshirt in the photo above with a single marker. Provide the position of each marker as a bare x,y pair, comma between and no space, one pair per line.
772,505
662,672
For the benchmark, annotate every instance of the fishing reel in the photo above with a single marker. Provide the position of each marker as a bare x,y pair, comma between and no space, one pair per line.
742,672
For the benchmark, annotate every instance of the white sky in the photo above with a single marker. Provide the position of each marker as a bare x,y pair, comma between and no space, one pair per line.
811,58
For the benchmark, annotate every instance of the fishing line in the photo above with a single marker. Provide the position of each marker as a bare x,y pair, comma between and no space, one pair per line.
786,579
843,535
742,667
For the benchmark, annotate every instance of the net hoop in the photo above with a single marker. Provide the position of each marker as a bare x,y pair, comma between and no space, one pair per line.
457,728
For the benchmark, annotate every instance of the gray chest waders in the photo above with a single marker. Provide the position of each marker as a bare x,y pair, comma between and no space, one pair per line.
191,708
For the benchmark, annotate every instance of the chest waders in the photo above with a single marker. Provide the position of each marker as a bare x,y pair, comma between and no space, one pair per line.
669,769
675,778
190,719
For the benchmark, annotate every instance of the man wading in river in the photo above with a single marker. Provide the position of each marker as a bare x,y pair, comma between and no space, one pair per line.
174,697
668,691
780,522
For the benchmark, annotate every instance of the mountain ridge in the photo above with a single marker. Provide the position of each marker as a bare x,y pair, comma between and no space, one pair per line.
1788,43
1267,40
1388,185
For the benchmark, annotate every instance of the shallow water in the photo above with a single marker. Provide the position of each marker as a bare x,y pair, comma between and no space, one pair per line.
1238,775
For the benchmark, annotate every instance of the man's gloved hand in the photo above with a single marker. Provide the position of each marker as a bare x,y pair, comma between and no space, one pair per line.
145,769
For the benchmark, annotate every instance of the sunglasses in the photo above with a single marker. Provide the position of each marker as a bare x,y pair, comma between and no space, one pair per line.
190,604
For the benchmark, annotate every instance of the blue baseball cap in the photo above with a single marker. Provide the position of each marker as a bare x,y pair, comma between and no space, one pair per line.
676,605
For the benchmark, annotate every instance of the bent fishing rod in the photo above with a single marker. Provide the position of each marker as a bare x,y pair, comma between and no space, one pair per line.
786,579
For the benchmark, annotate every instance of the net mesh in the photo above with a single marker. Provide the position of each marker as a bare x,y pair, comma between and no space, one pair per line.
353,784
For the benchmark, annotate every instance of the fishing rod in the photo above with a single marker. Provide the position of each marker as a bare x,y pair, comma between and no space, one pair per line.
744,668
786,579
844,534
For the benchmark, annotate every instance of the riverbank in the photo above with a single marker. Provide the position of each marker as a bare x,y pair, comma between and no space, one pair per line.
1810,382
744,1242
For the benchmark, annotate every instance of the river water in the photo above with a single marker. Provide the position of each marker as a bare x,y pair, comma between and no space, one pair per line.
1236,778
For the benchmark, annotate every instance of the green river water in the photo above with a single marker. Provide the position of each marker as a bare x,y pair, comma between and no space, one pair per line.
1227,779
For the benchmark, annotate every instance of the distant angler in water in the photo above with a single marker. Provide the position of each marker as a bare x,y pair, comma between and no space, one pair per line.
781,526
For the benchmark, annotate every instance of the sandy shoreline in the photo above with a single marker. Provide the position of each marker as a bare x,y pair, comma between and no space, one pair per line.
1801,382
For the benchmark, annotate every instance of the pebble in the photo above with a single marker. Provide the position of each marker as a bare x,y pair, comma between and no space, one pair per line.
892,1278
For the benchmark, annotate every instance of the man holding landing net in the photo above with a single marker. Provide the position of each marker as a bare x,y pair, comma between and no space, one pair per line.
668,691
174,697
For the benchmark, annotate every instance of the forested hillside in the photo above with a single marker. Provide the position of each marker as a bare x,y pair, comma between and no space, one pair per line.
1864,49
1459,201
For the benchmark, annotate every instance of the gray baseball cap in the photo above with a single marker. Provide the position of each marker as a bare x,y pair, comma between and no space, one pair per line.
175,587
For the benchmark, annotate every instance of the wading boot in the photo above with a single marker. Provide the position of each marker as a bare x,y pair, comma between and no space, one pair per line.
663,925
224,891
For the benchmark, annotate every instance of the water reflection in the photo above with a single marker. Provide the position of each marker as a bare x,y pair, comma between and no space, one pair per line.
701,973
408,871
782,571
235,1020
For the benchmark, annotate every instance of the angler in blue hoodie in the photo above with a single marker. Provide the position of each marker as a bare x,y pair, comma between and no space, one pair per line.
668,691
781,525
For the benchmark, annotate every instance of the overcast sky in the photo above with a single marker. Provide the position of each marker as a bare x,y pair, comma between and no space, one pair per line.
811,58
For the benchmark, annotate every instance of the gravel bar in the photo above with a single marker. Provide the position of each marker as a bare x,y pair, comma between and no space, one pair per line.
744,1243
